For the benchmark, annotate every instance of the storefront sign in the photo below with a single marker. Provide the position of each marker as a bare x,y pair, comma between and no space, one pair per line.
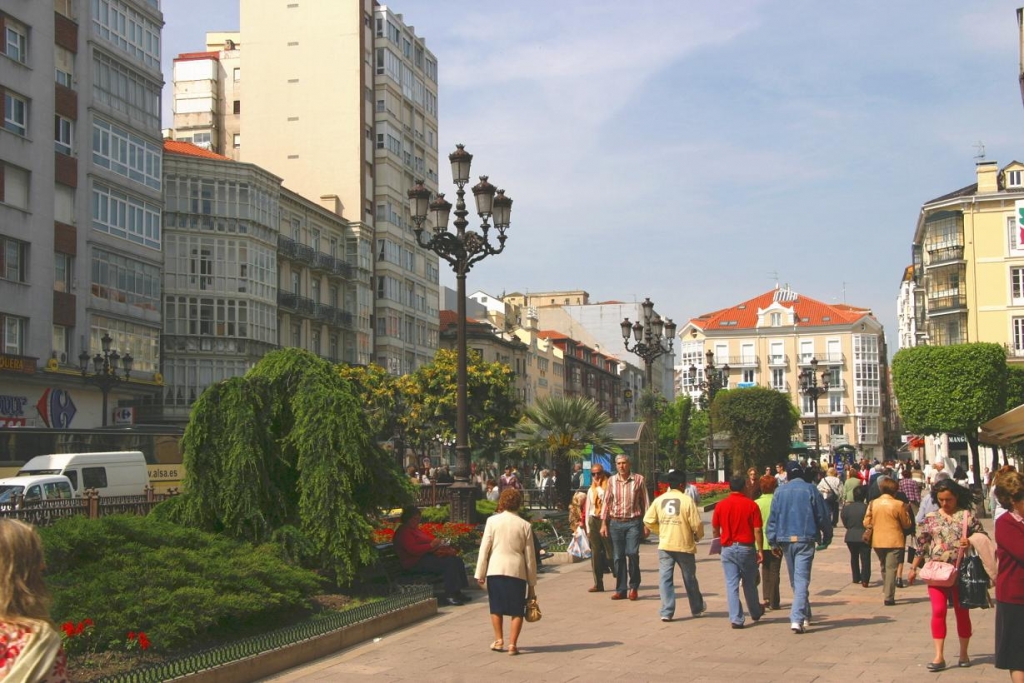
12,406
17,364
56,408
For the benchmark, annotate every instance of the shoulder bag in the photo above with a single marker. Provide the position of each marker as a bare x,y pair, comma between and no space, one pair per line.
866,538
944,574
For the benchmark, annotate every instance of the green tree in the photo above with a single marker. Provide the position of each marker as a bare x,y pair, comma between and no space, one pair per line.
379,392
697,442
760,422
673,430
285,453
950,389
562,427
430,399
1014,398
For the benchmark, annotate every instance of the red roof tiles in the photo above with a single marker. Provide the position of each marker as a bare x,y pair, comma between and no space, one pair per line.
190,150
807,311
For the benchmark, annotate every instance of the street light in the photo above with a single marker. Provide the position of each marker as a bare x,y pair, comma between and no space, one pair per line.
714,379
652,338
461,249
809,387
105,369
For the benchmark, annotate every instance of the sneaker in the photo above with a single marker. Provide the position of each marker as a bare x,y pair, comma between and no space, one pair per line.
807,624
796,628
666,619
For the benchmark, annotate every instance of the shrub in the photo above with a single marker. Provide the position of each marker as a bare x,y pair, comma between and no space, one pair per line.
179,585
439,514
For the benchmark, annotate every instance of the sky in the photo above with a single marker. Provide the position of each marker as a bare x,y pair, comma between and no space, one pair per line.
699,153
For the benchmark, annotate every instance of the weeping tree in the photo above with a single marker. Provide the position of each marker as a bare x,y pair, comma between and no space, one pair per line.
562,427
286,454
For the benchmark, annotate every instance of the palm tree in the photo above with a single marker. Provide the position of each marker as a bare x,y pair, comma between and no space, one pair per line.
563,427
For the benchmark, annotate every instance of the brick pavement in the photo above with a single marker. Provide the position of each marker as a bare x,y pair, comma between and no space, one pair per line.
587,637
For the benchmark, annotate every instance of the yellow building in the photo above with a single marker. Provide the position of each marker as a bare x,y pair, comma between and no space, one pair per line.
969,260
769,340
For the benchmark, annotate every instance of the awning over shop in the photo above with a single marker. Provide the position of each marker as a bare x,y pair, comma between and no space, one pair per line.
798,447
1004,430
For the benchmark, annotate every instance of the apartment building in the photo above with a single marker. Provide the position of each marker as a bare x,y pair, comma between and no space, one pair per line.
588,372
494,346
769,340
968,262
910,310
80,216
355,69
251,266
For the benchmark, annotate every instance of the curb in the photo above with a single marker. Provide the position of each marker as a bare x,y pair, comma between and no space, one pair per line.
272,662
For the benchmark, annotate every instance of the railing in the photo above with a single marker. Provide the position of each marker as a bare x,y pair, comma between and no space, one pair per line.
941,302
286,246
822,358
194,662
340,267
288,299
954,253
323,261
91,505
304,253
432,494
778,359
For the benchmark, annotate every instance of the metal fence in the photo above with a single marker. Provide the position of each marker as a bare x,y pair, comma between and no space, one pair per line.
193,662
91,505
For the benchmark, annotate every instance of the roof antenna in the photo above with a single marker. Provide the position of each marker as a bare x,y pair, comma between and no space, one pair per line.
980,146
774,275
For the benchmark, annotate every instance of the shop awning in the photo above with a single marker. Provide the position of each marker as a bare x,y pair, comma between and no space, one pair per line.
1004,430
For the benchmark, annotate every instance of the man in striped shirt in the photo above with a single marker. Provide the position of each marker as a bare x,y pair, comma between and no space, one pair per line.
622,520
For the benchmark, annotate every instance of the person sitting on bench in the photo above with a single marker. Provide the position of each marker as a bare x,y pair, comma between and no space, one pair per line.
418,551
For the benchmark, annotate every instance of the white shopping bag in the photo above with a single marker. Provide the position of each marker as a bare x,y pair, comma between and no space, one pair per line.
579,546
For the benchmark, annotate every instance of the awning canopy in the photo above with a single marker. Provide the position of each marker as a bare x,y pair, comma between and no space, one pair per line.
1004,430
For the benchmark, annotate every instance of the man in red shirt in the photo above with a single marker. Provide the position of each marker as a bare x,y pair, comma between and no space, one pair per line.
417,550
737,522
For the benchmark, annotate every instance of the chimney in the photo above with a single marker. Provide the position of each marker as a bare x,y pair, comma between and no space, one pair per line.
987,177
331,202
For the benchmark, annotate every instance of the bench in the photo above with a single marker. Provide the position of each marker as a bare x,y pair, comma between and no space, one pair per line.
389,568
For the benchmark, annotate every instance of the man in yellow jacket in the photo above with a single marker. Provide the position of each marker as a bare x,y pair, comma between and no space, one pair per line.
674,517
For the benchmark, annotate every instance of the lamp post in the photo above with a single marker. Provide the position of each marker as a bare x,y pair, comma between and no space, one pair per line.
462,249
809,387
714,379
652,338
105,368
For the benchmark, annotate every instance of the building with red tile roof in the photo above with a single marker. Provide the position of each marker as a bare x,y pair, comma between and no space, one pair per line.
775,340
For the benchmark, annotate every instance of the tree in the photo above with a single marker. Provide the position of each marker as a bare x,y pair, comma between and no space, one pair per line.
563,427
430,399
760,422
950,389
1014,398
673,430
285,453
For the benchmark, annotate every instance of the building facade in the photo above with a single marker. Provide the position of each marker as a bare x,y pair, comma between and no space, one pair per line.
769,340
80,216
382,114
251,266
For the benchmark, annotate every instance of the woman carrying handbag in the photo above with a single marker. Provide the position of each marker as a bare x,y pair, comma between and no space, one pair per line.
942,538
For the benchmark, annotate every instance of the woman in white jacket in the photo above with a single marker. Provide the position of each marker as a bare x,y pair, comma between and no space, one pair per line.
507,565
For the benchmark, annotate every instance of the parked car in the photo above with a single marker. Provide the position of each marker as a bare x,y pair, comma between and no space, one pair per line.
31,490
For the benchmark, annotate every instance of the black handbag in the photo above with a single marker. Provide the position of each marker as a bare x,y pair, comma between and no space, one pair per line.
973,583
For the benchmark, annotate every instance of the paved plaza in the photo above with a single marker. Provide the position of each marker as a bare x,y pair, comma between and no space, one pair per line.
588,637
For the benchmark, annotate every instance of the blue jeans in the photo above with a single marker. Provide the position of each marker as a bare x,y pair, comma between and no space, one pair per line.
625,538
667,561
799,557
739,562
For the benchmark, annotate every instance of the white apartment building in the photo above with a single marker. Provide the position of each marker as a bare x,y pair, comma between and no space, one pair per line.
354,69
80,212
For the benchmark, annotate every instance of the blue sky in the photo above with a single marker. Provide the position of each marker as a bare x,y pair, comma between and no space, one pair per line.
692,152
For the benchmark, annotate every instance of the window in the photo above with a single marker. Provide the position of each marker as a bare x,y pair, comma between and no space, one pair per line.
62,134
61,344
15,113
810,433
15,186
236,75
776,356
64,68
123,280
806,350
314,290
1017,286
236,107
1013,178
14,334
236,140
125,216
296,335
15,43
748,376
13,260
1018,336
776,319
128,30
126,90
779,379
94,477
63,272
316,343
380,106
835,403
127,154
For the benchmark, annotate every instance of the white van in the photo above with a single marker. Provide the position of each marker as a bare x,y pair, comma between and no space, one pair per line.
116,473
35,489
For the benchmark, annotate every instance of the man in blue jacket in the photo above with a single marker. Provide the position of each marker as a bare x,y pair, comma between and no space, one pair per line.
799,520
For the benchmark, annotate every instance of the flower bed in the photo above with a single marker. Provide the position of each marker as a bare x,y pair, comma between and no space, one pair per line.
704,489
461,536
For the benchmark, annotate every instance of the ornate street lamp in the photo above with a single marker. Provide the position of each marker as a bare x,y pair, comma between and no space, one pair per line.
714,379
462,249
809,387
105,369
652,338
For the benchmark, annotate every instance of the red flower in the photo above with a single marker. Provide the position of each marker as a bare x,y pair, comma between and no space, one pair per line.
131,635
87,622
68,628
143,641
80,627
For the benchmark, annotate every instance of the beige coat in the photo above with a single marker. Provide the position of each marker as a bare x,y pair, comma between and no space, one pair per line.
888,517
507,549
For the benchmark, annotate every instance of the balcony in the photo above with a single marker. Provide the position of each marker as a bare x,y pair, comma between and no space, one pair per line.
304,253
741,361
342,268
286,246
784,387
837,358
778,360
940,254
837,386
287,300
321,261
946,300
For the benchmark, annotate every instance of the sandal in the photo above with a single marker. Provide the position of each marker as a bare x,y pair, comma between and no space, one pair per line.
513,650
498,645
